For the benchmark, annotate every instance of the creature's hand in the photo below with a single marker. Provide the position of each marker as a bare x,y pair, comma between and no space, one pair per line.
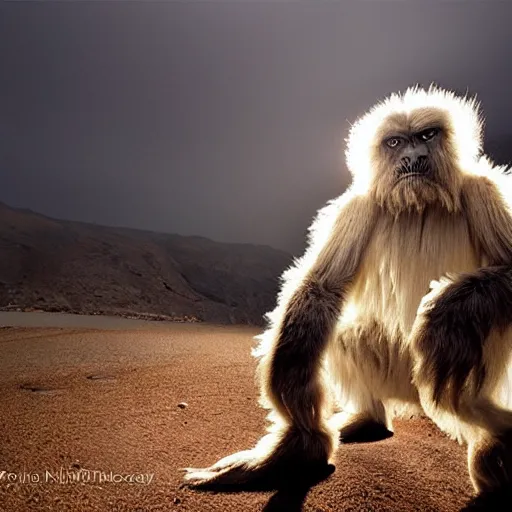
448,336
437,287
296,454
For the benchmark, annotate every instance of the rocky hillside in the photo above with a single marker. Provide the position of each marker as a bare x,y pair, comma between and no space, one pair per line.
56,265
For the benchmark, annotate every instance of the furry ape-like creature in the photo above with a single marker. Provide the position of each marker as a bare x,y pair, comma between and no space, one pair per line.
403,298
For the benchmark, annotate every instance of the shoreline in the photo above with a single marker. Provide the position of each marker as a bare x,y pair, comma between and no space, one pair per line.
45,319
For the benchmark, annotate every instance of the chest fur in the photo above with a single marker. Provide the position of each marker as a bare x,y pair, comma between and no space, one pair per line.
404,255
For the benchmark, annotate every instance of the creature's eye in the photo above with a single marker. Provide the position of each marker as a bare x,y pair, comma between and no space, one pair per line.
393,142
429,134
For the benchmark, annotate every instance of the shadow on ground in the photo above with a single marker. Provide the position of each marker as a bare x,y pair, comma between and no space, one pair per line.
499,501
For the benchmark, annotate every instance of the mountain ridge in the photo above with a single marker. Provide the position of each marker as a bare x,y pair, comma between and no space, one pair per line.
71,266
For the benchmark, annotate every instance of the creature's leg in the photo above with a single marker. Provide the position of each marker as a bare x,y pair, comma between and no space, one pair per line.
355,364
485,427
458,373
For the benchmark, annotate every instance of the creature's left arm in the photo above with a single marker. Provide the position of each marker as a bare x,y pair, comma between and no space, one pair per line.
455,325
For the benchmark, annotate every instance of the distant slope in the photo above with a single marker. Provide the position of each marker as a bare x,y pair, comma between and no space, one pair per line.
57,265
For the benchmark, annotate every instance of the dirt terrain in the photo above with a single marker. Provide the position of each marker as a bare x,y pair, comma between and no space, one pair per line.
103,420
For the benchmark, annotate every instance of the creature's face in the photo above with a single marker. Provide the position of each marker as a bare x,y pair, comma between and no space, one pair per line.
414,161
410,151
410,154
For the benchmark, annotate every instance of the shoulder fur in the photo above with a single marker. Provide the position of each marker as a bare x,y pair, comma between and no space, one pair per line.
495,176
487,198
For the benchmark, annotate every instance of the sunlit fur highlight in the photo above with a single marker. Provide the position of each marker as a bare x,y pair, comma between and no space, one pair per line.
361,330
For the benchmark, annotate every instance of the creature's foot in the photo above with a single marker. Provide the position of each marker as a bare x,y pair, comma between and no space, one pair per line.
361,428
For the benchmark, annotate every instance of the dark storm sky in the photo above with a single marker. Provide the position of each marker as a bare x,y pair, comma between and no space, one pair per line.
221,119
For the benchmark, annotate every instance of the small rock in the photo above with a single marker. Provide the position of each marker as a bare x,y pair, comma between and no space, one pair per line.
183,405
176,501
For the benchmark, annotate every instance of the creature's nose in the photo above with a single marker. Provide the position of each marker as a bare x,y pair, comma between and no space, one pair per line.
414,156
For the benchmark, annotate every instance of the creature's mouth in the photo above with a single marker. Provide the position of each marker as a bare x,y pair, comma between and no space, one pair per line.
412,175
418,169
413,179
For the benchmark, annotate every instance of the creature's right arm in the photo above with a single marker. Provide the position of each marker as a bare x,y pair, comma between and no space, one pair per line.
309,314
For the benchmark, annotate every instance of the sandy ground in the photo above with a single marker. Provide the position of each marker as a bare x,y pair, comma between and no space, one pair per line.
106,401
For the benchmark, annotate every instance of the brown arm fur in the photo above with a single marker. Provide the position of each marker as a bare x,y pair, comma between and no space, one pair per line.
457,324
310,315
289,370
